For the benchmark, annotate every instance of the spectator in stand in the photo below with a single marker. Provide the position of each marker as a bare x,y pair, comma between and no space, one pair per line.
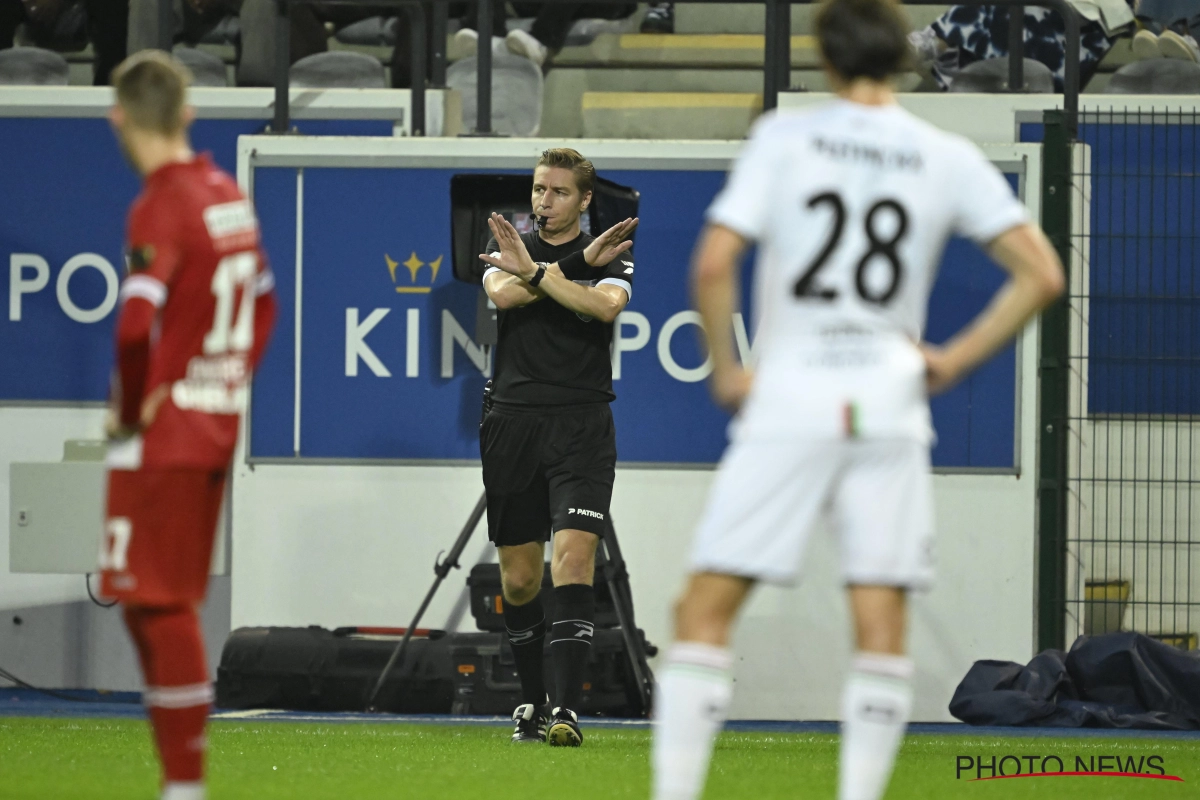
551,24
45,22
1168,29
256,46
966,34
193,20
660,18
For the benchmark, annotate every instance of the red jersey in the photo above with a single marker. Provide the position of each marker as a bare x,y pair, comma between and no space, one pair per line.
196,309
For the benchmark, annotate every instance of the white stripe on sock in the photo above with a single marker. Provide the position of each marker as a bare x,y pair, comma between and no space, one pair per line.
180,790
694,690
196,694
698,654
876,705
883,664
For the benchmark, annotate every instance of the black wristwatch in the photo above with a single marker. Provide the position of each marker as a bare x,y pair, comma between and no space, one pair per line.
537,276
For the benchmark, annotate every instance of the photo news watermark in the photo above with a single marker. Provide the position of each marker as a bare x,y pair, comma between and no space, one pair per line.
993,767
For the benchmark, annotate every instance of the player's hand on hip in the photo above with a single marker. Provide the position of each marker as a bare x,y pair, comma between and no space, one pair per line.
153,403
730,387
610,244
940,371
514,258
113,429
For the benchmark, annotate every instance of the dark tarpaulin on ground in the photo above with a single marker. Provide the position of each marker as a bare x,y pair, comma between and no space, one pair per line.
1118,680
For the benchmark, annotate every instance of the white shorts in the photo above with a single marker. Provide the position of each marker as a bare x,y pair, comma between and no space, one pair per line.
768,495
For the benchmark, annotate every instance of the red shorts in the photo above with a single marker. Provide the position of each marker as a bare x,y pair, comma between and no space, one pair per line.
159,533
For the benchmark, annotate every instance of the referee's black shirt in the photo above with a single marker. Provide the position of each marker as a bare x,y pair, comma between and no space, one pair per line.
548,354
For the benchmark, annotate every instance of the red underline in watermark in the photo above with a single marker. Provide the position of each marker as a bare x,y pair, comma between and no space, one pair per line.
1082,774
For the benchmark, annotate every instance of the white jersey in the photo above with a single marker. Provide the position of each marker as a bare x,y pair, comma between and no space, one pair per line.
851,207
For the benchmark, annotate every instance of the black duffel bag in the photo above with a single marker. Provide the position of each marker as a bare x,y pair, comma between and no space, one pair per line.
315,669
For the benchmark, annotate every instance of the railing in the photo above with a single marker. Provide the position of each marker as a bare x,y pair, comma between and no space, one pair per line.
776,56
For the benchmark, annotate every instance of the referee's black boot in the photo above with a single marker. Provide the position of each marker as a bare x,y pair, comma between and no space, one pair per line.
564,729
531,724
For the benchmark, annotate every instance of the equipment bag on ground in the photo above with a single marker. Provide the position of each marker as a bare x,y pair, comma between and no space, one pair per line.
314,669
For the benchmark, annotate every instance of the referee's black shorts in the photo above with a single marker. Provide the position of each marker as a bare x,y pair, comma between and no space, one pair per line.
546,469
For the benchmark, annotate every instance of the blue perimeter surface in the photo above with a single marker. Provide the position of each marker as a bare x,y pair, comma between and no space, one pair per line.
117,705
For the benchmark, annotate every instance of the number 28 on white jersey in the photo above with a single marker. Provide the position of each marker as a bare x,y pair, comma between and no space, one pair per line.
851,207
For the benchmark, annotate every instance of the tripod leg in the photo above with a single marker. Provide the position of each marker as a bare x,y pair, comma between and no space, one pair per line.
441,569
617,578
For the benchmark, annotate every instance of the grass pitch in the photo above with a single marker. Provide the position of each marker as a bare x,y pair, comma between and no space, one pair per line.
92,759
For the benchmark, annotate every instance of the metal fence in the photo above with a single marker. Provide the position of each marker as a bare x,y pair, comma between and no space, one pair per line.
1121,383
777,56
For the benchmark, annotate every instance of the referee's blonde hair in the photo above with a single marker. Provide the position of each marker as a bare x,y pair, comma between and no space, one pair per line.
565,157
152,89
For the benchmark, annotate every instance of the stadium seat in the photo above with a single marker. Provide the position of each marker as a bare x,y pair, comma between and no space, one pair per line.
1156,76
32,66
226,32
206,69
516,92
372,32
991,76
583,31
665,115
338,70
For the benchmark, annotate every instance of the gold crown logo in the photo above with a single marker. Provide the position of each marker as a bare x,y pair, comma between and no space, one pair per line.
414,265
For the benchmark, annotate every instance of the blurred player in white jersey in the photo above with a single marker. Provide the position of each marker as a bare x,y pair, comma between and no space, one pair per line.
850,205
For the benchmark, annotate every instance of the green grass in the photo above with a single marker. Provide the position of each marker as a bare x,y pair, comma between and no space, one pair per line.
49,759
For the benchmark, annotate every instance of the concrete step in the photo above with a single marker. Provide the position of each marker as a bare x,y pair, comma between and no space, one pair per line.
739,18
669,115
562,110
682,50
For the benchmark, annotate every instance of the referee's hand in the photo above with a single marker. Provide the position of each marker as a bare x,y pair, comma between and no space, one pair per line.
610,244
514,258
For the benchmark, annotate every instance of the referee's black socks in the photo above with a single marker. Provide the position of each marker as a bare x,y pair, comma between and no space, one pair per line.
526,627
571,641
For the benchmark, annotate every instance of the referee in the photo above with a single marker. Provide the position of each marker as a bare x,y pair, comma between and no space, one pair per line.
547,438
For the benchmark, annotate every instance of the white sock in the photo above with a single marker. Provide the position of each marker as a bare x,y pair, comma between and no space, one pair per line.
876,704
184,791
694,689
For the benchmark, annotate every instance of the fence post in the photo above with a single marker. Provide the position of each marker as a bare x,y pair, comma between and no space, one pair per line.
165,24
419,64
1016,48
1053,403
283,63
771,55
483,74
437,56
783,54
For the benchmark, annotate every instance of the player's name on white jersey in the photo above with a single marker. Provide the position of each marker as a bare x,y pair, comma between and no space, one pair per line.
869,153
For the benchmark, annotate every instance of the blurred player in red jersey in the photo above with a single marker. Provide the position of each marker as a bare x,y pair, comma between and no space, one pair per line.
196,310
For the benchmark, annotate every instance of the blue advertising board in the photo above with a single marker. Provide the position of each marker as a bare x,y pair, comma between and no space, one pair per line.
1143,265
388,368
66,191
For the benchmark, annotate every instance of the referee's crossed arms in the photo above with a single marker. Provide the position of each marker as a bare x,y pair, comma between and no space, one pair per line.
522,284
